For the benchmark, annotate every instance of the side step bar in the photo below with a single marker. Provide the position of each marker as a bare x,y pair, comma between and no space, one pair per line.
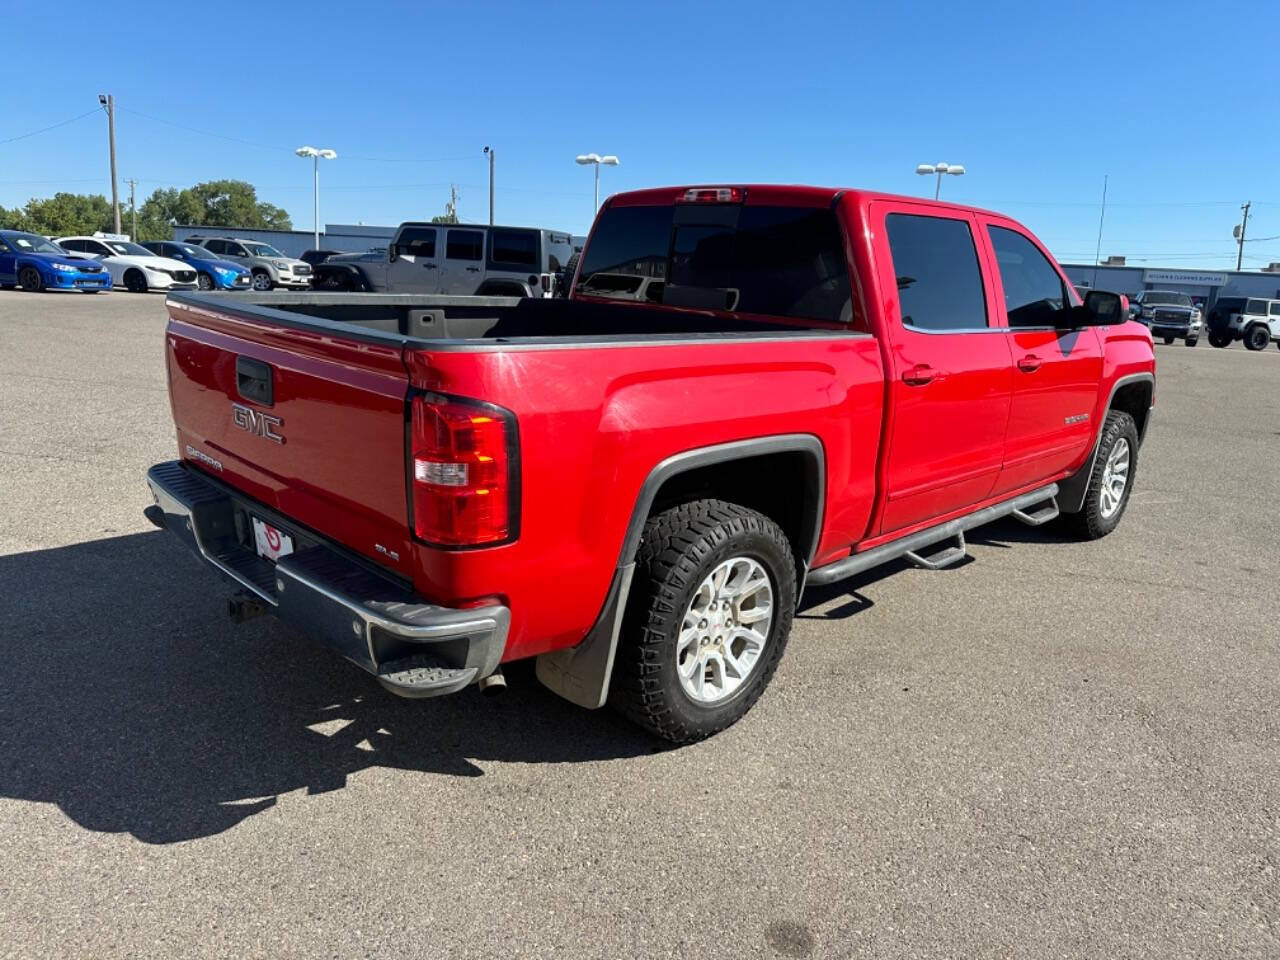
910,546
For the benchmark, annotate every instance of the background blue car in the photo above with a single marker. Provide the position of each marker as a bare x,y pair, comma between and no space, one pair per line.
211,273
39,264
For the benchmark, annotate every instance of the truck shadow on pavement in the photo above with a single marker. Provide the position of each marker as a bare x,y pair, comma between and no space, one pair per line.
129,701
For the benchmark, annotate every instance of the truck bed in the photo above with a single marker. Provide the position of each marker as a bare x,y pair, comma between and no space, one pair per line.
423,320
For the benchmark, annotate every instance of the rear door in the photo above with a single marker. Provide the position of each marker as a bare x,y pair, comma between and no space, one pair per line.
462,269
1056,370
311,425
416,267
8,262
950,371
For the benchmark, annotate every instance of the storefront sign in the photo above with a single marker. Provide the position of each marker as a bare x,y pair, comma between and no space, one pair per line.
1193,277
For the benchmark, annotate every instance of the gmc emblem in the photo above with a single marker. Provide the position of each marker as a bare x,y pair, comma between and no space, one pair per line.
259,424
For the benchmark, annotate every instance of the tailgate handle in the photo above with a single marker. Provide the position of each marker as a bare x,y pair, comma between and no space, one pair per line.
254,381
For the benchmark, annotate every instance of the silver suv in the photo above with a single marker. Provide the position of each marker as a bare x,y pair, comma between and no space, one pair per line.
270,267
455,259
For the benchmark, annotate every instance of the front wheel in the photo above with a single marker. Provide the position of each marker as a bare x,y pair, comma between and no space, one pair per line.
1168,340
1219,340
135,282
204,281
707,622
1111,479
262,281
30,279
1193,341
1257,337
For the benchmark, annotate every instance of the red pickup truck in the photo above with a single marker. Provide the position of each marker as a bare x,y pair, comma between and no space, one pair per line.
749,389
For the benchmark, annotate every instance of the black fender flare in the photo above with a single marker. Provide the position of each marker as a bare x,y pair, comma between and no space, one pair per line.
581,674
355,277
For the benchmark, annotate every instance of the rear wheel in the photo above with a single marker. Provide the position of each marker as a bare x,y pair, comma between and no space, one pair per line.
707,622
1257,337
1111,479
29,278
204,281
135,282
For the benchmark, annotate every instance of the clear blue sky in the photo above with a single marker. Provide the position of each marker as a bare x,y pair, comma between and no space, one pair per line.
1176,102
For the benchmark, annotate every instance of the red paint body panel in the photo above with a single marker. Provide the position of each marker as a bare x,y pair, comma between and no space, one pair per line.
595,418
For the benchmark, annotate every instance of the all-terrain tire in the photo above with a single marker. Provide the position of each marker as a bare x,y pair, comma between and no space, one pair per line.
680,548
1091,522
1257,337
1219,340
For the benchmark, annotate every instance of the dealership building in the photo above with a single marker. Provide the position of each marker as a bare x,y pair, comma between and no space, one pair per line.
1203,286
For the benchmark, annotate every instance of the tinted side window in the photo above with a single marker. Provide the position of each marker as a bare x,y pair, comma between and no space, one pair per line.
514,250
464,245
75,246
417,242
215,246
1256,307
936,266
1033,291
1275,308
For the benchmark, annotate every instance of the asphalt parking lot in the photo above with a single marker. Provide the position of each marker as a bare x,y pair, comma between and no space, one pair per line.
1054,750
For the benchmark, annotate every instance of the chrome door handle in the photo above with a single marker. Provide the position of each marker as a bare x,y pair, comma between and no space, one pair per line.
920,374
1029,364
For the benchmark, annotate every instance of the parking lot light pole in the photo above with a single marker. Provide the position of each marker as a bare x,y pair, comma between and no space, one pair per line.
315,156
108,103
951,169
595,159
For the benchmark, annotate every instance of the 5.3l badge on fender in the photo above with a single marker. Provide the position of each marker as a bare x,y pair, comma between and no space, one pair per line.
259,424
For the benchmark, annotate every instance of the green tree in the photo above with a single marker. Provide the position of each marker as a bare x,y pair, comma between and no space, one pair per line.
65,214
12,219
234,203
445,218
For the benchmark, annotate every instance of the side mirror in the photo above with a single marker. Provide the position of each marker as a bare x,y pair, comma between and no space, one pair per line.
1106,309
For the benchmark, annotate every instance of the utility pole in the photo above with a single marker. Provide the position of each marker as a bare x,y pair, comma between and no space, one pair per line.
133,210
1244,222
490,153
109,102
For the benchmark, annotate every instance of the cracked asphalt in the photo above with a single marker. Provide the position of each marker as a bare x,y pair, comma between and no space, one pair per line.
1053,750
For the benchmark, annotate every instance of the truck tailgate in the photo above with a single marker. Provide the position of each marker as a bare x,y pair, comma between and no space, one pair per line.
309,423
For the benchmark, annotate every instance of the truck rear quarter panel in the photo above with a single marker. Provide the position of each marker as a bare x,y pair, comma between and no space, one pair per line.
595,420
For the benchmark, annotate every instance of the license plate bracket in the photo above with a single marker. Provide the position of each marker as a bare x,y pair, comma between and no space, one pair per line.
269,542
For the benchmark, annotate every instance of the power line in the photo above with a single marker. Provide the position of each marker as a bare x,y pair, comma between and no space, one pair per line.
54,126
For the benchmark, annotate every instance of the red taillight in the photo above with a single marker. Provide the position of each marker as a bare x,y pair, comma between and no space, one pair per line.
712,195
463,472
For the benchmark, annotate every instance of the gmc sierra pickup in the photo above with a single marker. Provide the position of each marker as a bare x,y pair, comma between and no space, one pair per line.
634,491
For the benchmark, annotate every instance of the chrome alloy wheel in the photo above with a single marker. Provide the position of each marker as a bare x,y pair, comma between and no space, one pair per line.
724,631
1115,477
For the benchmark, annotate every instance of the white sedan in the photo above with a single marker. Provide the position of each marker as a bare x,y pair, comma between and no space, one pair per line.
131,266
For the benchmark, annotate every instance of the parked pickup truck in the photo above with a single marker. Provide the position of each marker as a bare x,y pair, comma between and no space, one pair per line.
636,492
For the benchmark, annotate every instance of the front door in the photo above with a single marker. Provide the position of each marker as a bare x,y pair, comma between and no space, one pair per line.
416,267
950,369
1056,367
462,270
8,263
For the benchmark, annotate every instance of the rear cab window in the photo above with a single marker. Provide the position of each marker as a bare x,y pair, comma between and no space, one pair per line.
779,261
